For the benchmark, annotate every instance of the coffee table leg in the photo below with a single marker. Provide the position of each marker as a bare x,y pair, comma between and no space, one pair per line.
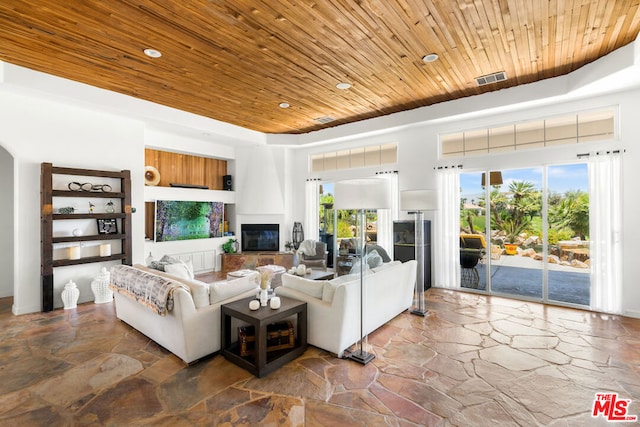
226,331
261,348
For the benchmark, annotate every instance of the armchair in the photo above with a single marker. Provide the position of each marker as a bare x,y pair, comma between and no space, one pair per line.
318,260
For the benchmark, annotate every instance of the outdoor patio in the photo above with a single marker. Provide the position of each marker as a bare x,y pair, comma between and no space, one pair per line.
519,275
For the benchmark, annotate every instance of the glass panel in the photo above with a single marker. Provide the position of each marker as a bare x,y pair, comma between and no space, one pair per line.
472,231
568,235
329,161
561,130
317,163
327,221
345,226
452,144
476,140
529,132
372,156
357,157
516,234
503,136
595,125
388,153
343,159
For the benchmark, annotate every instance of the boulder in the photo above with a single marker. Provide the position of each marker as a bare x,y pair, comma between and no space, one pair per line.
578,264
553,259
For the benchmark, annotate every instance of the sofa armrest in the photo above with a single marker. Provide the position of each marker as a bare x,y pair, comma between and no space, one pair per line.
329,324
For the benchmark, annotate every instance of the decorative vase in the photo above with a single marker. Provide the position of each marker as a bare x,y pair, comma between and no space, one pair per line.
100,287
297,234
511,248
70,295
264,297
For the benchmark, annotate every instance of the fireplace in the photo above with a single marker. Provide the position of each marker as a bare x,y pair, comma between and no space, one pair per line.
260,237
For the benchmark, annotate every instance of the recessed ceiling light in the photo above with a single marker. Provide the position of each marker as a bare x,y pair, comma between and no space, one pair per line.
430,57
343,85
152,53
284,105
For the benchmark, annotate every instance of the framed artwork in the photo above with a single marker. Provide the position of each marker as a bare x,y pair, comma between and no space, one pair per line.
107,226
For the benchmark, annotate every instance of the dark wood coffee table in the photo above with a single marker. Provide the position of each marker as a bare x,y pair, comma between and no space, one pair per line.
261,362
319,274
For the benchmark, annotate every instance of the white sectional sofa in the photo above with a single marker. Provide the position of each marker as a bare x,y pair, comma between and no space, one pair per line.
333,306
191,329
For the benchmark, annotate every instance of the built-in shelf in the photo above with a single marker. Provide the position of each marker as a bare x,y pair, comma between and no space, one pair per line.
88,194
87,260
47,217
65,239
89,216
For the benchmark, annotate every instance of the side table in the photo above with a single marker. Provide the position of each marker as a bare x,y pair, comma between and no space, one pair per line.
261,363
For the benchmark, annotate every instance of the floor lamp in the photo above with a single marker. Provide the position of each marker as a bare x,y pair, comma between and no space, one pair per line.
417,201
361,195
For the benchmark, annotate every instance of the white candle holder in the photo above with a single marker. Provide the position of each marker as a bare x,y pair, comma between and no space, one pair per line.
105,249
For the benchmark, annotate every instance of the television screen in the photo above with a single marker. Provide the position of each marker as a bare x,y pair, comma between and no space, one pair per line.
182,220
260,237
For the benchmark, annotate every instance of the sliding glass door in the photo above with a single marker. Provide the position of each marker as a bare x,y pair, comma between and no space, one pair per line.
568,253
524,233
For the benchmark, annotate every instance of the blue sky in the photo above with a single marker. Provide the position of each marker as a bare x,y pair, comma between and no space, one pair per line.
562,178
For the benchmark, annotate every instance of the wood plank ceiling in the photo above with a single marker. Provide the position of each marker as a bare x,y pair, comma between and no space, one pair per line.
237,60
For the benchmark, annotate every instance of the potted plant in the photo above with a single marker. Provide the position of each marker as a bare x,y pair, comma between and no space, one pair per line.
230,247
513,229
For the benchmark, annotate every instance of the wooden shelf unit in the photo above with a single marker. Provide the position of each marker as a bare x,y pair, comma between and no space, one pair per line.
47,217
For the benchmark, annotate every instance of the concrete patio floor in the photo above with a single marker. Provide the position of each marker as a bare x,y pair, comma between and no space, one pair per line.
518,275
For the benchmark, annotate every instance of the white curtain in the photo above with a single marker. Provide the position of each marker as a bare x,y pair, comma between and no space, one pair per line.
605,231
387,216
312,210
446,243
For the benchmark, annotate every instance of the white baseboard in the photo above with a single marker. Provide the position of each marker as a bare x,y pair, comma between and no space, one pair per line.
202,260
632,313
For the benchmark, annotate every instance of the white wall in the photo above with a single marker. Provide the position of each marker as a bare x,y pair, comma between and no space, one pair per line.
418,155
6,223
37,131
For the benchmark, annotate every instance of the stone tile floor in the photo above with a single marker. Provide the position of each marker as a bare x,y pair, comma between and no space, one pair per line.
473,361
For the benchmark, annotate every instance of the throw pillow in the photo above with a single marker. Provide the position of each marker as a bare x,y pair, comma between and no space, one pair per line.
189,266
374,259
179,270
225,289
165,260
328,291
199,292
355,269
307,286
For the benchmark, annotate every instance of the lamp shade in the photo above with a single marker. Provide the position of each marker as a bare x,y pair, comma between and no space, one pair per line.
368,193
495,178
418,200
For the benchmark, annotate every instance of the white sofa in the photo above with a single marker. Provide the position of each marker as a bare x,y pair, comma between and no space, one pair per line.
191,330
333,306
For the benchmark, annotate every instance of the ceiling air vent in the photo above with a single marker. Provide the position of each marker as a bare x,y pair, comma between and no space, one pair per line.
491,78
324,120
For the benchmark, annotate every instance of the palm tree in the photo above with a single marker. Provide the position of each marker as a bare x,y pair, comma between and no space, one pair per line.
512,211
572,212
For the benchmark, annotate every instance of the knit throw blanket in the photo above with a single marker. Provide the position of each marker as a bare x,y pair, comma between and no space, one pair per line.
153,292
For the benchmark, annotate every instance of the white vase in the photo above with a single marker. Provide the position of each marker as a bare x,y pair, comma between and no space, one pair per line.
70,295
100,287
264,297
